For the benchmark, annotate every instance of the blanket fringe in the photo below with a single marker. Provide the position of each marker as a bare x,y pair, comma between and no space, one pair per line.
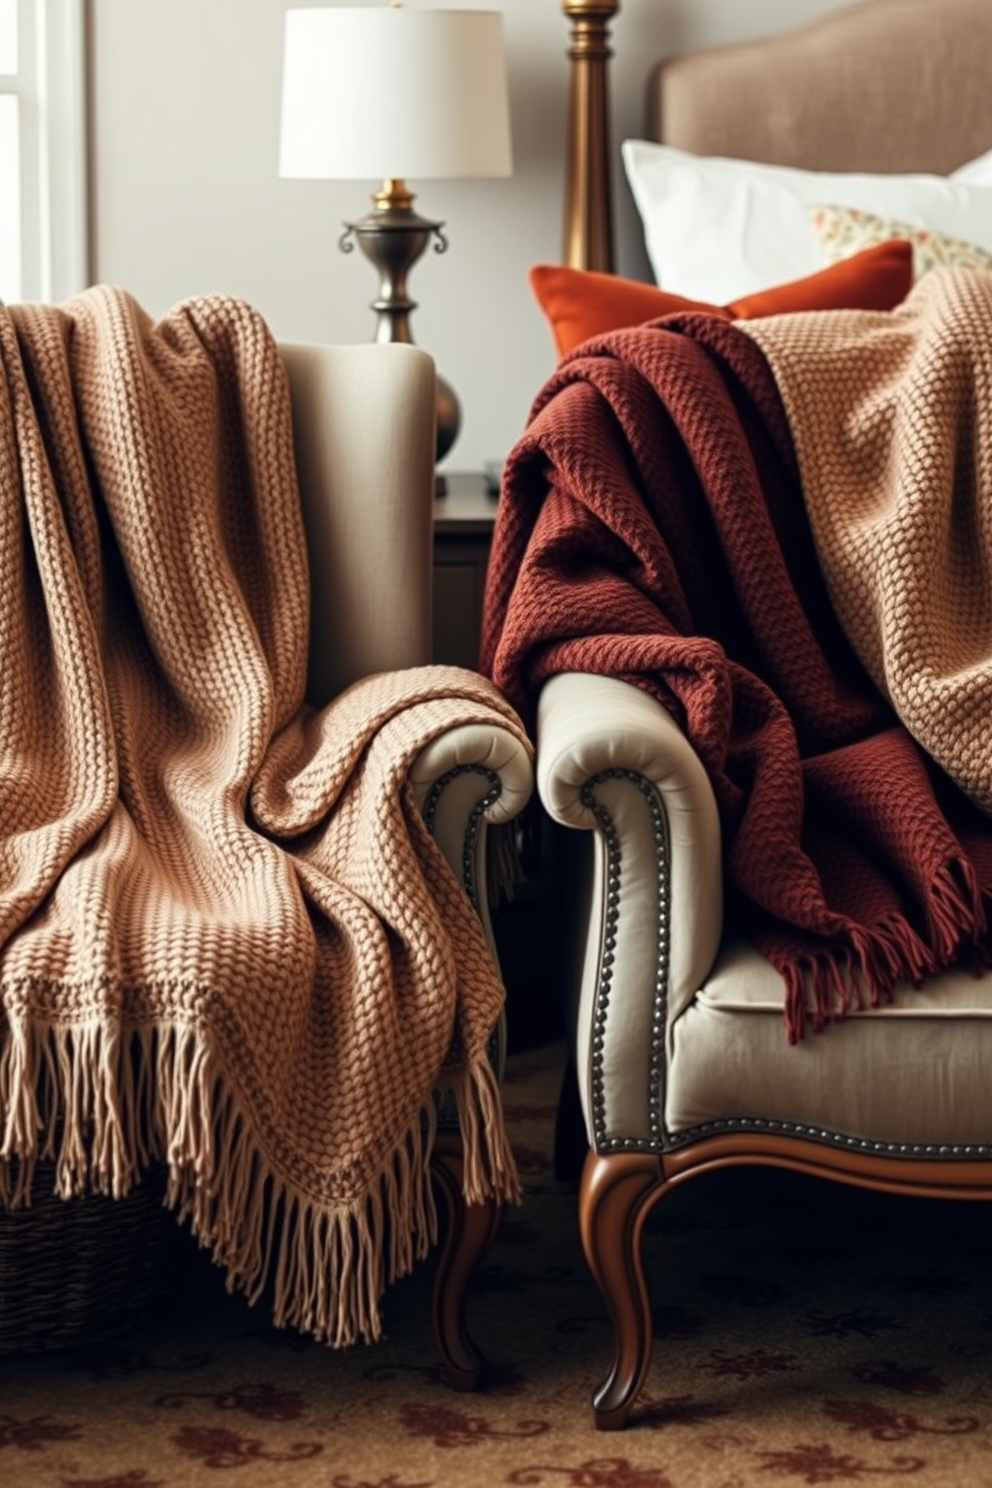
825,985
956,916
489,1166
104,1106
70,1087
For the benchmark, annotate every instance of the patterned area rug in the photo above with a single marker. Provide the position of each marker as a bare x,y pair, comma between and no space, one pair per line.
806,1333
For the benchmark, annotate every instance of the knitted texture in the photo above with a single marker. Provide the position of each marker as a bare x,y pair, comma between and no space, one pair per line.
892,421
651,526
227,940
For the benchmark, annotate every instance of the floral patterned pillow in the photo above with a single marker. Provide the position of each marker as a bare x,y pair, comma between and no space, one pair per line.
847,230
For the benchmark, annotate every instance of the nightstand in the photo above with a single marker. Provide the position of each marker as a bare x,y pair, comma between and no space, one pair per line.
463,527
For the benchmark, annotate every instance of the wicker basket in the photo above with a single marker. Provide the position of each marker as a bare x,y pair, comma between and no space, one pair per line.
84,1270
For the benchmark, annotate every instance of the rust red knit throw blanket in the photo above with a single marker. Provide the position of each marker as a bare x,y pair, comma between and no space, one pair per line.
652,527
228,942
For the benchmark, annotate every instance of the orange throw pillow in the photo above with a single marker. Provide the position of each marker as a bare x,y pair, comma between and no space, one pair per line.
580,303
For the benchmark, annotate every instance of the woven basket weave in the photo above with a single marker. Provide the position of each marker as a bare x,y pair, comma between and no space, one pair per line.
83,1270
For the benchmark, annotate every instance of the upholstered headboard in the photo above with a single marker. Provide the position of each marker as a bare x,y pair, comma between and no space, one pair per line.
882,85
878,85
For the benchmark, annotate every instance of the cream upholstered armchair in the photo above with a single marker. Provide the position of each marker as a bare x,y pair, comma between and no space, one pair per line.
363,428
676,1031
676,1028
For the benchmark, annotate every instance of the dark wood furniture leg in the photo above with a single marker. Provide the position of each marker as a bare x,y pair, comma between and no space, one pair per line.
615,1195
618,1191
467,1231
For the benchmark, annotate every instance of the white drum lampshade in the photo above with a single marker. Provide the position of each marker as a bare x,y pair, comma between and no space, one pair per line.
382,92
390,94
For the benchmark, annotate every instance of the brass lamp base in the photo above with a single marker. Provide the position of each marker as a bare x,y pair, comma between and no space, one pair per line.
393,237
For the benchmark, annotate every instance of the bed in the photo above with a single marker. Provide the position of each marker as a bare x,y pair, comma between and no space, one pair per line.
839,83
754,822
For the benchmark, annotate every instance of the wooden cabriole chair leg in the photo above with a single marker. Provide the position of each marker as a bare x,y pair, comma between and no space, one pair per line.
467,1231
616,1193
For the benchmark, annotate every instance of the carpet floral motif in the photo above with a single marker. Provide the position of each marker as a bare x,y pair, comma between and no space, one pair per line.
806,1334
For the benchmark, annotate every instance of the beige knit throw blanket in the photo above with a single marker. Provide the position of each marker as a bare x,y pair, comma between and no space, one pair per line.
891,416
228,942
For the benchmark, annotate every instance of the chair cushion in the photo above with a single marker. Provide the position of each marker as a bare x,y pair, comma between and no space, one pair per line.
914,1071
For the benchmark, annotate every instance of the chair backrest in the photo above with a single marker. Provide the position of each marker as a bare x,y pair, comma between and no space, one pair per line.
364,433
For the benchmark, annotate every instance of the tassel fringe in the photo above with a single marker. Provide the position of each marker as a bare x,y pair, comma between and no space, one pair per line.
823,986
103,1107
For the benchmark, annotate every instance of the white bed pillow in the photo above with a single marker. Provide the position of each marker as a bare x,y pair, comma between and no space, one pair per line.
976,172
717,229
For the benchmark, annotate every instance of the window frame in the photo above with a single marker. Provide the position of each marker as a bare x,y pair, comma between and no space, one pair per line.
50,85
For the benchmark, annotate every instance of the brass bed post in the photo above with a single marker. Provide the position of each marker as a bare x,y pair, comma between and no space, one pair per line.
587,241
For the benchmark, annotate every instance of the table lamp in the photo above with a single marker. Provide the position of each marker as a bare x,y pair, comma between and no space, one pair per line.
390,94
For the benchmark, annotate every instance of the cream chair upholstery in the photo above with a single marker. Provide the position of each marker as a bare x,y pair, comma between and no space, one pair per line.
361,427
677,1034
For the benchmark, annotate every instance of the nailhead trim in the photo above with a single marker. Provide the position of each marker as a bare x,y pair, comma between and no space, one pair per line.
659,1139
478,811
962,1151
656,1063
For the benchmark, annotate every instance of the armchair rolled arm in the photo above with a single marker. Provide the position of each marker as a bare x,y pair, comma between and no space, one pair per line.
613,762
465,780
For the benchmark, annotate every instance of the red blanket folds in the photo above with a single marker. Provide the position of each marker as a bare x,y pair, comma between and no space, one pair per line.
651,526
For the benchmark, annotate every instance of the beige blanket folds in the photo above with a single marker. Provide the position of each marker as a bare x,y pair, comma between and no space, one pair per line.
227,941
891,416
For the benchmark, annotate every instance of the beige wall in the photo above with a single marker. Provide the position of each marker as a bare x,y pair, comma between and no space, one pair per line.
186,198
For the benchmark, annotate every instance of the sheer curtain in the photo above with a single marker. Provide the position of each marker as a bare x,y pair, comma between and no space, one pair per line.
42,149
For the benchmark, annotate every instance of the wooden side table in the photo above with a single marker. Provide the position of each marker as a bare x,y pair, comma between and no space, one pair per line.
463,527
